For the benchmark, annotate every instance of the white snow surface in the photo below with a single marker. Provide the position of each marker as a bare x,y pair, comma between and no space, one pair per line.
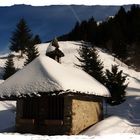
17,136
46,75
120,122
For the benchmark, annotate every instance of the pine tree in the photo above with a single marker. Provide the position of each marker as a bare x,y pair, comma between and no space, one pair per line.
90,62
31,52
83,31
37,39
75,33
21,37
9,68
92,30
118,34
119,48
115,82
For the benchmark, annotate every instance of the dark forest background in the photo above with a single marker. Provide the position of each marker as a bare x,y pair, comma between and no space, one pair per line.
119,35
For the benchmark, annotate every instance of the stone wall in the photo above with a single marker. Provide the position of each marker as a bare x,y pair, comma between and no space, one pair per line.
84,114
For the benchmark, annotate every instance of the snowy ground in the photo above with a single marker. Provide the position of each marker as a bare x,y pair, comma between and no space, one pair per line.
121,121
16,136
7,116
123,118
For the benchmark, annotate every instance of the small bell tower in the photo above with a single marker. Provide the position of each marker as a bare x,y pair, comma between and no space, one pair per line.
54,51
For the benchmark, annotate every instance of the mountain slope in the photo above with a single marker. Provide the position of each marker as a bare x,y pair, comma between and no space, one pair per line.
124,118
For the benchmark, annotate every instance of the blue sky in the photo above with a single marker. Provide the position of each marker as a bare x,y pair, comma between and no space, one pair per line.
47,21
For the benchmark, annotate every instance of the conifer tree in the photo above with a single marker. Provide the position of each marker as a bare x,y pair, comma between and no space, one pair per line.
31,52
9,68
36,39
75,33
21,37
92,30
90,62
119,48
115,82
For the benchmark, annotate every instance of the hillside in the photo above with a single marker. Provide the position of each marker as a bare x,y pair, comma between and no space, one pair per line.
124,118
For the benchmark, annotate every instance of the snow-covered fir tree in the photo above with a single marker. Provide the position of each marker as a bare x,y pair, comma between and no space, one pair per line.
9,68
37,39
31,52
90,62
115,82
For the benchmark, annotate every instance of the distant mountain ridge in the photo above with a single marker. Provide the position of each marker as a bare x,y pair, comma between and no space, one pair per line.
99,12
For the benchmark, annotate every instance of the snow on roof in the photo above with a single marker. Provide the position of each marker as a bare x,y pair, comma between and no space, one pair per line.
46,75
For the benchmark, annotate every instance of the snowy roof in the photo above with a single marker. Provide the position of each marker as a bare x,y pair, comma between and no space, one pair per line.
46,75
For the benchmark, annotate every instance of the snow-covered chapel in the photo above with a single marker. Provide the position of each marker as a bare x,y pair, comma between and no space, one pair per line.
53,98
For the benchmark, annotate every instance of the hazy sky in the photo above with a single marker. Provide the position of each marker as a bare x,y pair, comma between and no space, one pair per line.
56,2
